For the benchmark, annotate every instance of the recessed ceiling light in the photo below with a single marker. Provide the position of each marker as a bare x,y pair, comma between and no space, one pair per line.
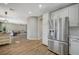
30,12
40,5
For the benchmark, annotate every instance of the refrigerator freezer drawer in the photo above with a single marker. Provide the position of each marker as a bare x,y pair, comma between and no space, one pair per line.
58,47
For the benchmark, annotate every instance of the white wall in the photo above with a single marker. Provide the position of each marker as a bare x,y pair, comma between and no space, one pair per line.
15,27
40,27
45,28
32,28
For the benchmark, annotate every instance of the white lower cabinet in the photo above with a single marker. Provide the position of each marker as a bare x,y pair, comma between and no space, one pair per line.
74,47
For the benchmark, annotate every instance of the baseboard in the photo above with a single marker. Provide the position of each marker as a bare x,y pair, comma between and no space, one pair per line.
53,52
44,44
33,38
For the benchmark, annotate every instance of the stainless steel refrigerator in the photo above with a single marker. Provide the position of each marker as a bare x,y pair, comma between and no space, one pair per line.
59,36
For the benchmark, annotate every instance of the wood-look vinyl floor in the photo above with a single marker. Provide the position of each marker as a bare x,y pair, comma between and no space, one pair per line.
22,46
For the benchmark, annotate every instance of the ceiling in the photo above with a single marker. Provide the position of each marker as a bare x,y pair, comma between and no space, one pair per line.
32,9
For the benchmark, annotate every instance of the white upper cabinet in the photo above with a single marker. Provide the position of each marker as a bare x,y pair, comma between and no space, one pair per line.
63,13
72,12
60,14
55,15
74,15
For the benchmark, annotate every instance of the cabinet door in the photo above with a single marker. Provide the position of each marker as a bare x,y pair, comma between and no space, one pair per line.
74,15
54,17
74,47
63,13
